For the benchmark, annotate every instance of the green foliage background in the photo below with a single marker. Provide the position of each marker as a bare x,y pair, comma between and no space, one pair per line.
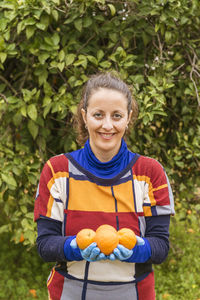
47,51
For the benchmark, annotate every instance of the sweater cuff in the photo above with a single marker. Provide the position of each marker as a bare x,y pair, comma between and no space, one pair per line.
159,249
71,253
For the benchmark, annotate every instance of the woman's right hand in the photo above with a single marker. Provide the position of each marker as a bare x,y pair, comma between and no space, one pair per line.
91,253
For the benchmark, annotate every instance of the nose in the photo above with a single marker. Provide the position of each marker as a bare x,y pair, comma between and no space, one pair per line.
107,124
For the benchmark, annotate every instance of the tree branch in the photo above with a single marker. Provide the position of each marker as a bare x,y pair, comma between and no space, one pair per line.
4,98
193,64
8,84
86,43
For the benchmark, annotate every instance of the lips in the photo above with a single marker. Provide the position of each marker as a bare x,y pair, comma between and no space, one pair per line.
106,136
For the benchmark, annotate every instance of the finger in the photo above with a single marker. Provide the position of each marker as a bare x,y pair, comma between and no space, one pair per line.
117,253
112,257
94,253
101,256
121,248
73,243
87,251
140,241
124,251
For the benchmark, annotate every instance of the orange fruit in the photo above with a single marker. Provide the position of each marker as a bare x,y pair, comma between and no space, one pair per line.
106,227
106,238
21,238
127,238
33,293
85,237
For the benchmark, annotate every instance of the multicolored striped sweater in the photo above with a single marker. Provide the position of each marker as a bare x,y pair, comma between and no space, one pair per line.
72,196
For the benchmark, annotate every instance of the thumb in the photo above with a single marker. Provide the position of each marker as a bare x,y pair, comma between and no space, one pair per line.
73,243
140,241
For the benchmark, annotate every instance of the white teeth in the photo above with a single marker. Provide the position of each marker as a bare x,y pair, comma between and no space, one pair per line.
106,135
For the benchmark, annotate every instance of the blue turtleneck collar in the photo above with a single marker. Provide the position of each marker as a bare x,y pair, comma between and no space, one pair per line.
86,158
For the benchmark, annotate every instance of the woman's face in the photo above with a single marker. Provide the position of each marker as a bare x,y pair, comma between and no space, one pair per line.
106,119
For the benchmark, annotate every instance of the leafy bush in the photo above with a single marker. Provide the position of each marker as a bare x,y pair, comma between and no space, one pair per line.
47,51
23,273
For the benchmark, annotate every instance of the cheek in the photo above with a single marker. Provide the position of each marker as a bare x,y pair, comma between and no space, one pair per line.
93,124
121,125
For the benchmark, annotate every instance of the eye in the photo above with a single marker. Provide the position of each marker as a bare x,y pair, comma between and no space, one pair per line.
117,116
98,115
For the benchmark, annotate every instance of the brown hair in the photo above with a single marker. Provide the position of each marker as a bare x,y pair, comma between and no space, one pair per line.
108,81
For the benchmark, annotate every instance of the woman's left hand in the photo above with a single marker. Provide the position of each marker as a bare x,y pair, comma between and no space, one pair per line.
139,254
121,253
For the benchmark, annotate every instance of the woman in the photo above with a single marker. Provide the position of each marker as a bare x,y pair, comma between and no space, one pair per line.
103,183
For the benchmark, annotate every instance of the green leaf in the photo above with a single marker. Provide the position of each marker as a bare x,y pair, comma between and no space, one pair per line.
46,101
112,9
23,110
47,110
3,24
30,31
17,119
87,22
160,112
105,64
20,27
100,54
32,111
145,120
3,56
153,80
92,59
5,228
55,38
29,21
30,235
145,38
41,26
44,20
78,24
33,129
114,36
69,59
61,66
41,142
138,79
9,179
43,57
157,27
82,60
55,14
23,208
168,36
61,55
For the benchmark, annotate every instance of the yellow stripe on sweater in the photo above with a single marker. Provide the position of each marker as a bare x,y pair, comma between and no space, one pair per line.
160,187
51,277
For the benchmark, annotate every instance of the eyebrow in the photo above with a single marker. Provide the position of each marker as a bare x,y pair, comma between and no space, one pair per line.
100,110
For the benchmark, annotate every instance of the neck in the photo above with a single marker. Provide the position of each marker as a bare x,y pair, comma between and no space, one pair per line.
104,156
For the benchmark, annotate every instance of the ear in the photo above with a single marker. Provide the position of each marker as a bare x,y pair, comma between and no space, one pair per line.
83,112
129,116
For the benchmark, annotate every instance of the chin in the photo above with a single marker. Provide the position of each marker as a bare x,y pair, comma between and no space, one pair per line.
107,147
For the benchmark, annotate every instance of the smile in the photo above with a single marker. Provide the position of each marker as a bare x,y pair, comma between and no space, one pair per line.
106,136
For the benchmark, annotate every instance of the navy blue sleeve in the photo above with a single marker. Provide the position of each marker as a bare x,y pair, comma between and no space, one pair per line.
157,233
50,242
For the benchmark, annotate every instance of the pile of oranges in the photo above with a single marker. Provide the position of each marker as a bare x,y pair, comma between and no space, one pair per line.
107,238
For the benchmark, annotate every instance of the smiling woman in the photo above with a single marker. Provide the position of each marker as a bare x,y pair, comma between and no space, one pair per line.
103,183
106,120
115,87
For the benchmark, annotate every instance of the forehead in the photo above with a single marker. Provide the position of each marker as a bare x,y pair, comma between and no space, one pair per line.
104,97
